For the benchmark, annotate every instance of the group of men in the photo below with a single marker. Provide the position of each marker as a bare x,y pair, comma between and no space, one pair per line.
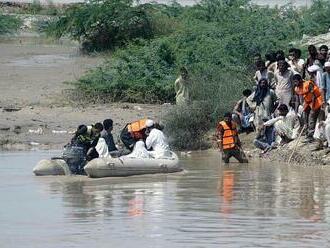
142,139
291,98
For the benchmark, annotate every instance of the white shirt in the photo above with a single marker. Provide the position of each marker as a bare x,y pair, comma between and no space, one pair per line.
157,141
139,151
102,149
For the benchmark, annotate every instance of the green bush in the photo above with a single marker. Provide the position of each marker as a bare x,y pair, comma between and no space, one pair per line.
186,126
101,25
9,24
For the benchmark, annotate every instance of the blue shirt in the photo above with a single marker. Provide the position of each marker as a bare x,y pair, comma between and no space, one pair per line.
325,84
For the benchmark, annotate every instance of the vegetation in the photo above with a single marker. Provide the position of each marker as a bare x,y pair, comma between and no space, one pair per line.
215,40
9,24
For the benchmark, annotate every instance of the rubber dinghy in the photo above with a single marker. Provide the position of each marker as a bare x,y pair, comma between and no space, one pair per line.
126,166
111,167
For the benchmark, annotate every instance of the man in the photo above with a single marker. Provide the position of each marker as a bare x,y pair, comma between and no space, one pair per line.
313,102
265,138
297,64
283,82
323,51
228,140
263,102
108,137
242,113
181,87
286,126
133,132
261,71
325,82
315,73
156,141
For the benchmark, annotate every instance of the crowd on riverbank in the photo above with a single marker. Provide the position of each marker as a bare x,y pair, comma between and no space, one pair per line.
290,100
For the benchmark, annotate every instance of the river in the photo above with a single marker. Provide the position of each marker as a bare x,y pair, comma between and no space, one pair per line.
208,205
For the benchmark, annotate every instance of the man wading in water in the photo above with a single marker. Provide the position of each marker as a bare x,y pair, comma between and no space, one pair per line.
228,140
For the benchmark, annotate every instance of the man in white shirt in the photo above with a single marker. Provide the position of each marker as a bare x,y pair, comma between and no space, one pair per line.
156,141
286,125
297,64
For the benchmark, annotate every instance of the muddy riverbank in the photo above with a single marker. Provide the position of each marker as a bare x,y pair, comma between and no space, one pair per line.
35,107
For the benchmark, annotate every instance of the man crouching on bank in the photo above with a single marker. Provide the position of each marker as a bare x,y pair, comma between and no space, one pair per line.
228,140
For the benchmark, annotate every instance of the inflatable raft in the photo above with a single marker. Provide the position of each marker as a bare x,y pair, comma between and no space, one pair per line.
125,166
112,167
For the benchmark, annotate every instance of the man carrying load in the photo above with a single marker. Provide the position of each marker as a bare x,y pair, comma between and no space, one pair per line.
133,132
228,140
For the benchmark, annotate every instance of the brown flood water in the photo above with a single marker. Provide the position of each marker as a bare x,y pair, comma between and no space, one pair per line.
209,205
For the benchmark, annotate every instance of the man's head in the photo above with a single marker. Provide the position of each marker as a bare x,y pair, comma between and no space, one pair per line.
327,67
270,56
282,66
81,130
312,50
257,57
260,65
247,92
312,70
297,80
150,124
227,117
263,83
283,110
294,53
183,72
98,127
324,50
108,125
280,55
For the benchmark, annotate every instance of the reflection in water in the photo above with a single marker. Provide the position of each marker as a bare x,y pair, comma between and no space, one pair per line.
210,204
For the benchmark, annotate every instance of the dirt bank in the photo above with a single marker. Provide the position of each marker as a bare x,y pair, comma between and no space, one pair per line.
34,110
303,154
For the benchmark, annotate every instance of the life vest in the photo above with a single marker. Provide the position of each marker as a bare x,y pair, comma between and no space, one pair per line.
136,129
229,134
310,95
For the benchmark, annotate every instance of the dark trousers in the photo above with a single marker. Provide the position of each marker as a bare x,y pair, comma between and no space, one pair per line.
236,153
311,119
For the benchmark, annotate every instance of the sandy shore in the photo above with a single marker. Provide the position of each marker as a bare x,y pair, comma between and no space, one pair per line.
34,111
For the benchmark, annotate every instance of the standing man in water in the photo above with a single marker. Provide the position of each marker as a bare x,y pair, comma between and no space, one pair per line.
181,86
228,140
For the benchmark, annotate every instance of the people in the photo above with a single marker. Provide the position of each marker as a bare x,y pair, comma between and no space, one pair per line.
106,134
133,132
263,102
181,86
313,102
325,82
261,71
156,141
286,126
297,64
265,138
242,113
283,82
228,140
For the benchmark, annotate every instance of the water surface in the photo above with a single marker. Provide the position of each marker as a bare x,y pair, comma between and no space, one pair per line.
209,205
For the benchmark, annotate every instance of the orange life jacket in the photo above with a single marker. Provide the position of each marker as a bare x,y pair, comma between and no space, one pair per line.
136,129
229,134
312,97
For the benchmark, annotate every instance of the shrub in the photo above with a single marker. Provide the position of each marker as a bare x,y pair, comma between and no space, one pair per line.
186,126
9,24
101,25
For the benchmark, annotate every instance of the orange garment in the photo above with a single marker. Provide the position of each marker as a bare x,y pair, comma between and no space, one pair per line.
229,135
136,129
311,94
